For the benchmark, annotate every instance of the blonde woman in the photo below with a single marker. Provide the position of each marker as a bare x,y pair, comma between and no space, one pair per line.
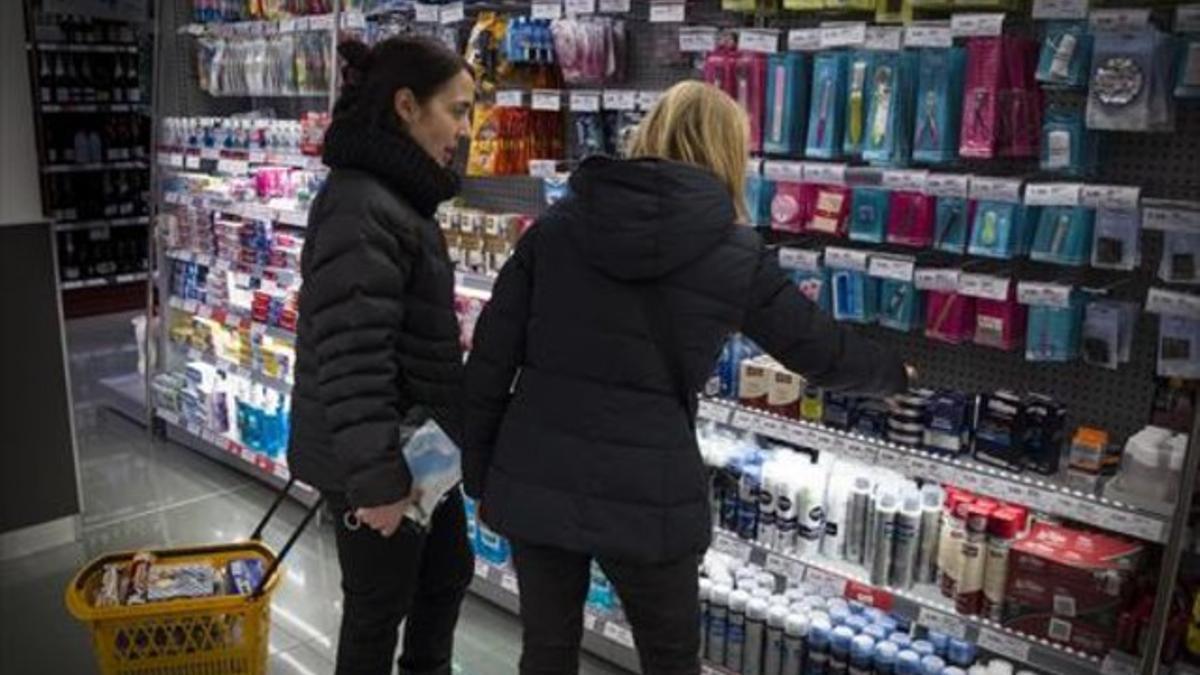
581,388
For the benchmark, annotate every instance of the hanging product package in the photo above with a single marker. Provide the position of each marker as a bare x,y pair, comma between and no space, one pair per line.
855,295
588,138
1064,236
809,276
759,193
719,69
868,214
985,77
1130,86
949,317
485,141
792,206
1066,53
910,219
952,224
1000,229
1000,324
827,103
1054,333
787,103
1108,328
1187,82
858,101
1043,432
750,84
1181,253
1067,146
830,210
1118,239
1020,115
899,305
1178,347
887,140
937,109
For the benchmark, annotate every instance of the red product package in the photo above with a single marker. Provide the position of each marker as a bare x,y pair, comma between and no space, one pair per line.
1071,586
986,77
750,90
830,209
719,70
792,206
910,219
1020,114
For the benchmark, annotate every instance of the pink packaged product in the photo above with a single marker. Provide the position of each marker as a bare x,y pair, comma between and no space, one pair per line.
271,182
719,70
830,209
1000,323
910,219
750,90
949,317
1020,114
981,108
792,206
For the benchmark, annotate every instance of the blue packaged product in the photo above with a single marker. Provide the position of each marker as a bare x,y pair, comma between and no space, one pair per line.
243,575
748,493
948,431
875,614
1067,146
901,640
1066,55
923,648
858,101
1054,333
1064,235
951,224
889,117
940,74
839,615
876,632
1002,229
885,658
857,607
960,653
862,652
855,296
827,106
940,642
908,663
786,104
471,511
869,214
932,665
759,193
900,306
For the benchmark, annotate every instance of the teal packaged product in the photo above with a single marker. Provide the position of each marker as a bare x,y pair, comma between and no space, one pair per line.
869,214
1064,235
787,103
1002,229
1066,55
1118,239
855,296
759,193
1067,146
940,74
806,271
1187,83
890,113
858,101
1054,333
952,224
900,306
827,105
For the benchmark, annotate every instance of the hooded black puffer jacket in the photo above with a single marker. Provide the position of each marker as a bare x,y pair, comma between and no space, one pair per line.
577,435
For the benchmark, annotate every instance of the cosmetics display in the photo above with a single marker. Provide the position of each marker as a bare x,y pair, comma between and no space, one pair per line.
291,64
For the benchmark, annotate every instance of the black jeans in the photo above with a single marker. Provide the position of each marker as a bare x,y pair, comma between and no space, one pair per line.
413,576
661,603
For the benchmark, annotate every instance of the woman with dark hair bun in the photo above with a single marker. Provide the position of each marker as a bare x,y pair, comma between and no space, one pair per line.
377,348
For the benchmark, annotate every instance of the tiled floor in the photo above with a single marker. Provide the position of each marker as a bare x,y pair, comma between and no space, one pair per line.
140,493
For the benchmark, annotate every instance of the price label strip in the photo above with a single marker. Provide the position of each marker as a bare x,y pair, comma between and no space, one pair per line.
942,623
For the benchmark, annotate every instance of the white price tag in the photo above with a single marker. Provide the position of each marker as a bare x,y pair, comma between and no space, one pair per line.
1126,197
1004,644
1118,19
762,40
620,99
948,185
1045,294
509,583
192,162
714,412
258,212
543,168
1173,303
731,546
793,570
843,34
615,6
884,38
321,22
175,159
804,39
905,180
295,218
1187,19
803,259
585,101
1053,194
354,20
996,189
861,452
481,568
233,167
977,25
937,279
618,634
1171,218
897,268
847,258
782,170
823,441
799,435
942,623
574,7
933,34
647,99
510,98
546,9
893,459
697,39
210,153
1060,9
984,286
546,99
667,12
825,583
824,173
590,621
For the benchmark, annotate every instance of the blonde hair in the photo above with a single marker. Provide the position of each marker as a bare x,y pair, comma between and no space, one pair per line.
699,124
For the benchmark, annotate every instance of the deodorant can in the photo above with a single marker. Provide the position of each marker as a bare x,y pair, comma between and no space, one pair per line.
718,616
885,658
908,663
756,636
773,656
908,542
706,587
931,532
818,648
862,651
885,515
735,634
794,648
839,650
856,520
932,665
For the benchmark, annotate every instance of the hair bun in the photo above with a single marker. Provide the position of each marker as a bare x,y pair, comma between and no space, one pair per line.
358,58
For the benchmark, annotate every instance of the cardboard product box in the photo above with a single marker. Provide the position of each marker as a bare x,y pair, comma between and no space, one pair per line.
1070,586
754,382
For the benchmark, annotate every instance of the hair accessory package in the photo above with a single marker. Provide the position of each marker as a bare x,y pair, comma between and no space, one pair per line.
589,135
1130,87
1066,54
985,77
1181,254
858,101
1067,146
1108,332
786,104
1054,332
1064,235
869,214
590,50
1178,347
889,116
791,206
1020,116
949,317
830,210
938,114
759,193
1118,239
952,224
910,219
827,102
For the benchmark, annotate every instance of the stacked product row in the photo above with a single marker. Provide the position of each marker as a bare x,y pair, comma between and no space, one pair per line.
480,242
277,65
247,134
101,252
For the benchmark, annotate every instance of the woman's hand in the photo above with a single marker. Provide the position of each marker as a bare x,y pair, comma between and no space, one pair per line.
386,518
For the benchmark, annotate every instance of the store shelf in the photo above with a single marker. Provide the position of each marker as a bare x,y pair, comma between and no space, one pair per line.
252,374
294,24
100,222
93,166
93,107
115,280
1022,489
126,394
191,157
233,318
84,48
923,605
258,271
296,217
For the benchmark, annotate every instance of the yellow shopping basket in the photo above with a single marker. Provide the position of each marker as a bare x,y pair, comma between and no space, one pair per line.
219,635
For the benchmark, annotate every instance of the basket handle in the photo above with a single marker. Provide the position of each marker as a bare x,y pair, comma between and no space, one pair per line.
287,547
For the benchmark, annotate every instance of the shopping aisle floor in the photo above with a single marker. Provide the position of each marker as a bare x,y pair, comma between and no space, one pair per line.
138,493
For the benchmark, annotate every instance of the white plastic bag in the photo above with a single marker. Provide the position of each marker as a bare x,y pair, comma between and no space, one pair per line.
435,463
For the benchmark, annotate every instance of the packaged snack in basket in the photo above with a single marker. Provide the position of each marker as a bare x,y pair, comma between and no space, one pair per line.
111,582
187,580
243,576
139,578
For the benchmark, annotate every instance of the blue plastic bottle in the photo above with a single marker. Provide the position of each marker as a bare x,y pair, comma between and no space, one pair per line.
932,665
839,615
839,650
961,653
817,662
876,632
902,640
923,648
862,652
885,658
940,641
856,623
908,663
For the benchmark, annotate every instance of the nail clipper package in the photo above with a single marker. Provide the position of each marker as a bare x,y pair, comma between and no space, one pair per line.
949,317
1178,347
899,305
1020,116
869,214
952,224
858,101
830,210
1054,333
1064,236
1067,146
910,219
787,103
791,206
827,105
1118,239
1181,258
1066,53
889,116
985,77
1130,86
938,111
1108,332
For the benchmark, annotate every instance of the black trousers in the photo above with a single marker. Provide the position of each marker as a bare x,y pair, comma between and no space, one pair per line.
661,603
413,576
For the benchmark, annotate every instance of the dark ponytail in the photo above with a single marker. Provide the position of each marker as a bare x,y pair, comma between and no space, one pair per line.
371,76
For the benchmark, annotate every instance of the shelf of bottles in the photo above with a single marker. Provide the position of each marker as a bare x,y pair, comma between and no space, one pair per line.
93,140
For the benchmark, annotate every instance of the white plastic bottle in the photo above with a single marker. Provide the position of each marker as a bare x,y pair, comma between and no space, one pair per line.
735,633
756,635
794,635
773,654
706,588
718,616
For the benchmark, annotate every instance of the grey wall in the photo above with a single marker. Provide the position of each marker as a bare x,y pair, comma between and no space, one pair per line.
20,196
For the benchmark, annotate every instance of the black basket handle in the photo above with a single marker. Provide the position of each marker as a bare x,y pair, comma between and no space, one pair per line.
287,547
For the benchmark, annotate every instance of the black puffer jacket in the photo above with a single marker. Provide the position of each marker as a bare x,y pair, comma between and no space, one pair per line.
594,449
378,340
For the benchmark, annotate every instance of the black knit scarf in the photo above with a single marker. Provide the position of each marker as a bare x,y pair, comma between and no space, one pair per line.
390,154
